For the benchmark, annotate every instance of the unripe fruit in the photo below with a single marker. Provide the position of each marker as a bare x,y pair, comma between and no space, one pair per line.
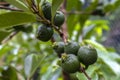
59,47
44,33
87,55
46,8
59,18
72,48
70,63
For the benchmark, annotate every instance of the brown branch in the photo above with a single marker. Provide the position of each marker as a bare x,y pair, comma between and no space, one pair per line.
12,9
64,34
64,26
9,37
52,39
4,3
66,76
77,12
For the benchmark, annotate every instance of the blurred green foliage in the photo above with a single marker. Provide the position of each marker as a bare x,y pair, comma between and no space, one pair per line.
24,55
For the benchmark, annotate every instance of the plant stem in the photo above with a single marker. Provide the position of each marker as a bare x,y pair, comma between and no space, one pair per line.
9,37
66,76
4,3
64,26
12,9
84,72
64,34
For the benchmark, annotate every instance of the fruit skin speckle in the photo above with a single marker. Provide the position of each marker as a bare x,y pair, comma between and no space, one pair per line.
46,8
59,18
44,33
59,47
87,55
72,48
70,64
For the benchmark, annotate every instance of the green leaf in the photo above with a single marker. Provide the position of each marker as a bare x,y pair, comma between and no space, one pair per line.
73,5
96,45
81,76
95,76
15,18
92,6
9,74
31,63
19,4
88,30
55,5
71,22
3,35
38,1
112,64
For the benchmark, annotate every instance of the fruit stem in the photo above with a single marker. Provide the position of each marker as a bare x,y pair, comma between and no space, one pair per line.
66,76
84,72
53,40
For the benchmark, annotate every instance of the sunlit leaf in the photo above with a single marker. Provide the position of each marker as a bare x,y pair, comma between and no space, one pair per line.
112,64
31,63
19,4
15,18
96,45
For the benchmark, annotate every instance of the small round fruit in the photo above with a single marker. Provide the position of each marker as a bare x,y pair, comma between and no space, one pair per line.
59,47
72,48
46,8
59,18
70,63
44,33
87,55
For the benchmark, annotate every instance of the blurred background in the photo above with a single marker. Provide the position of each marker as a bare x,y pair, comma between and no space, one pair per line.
95,22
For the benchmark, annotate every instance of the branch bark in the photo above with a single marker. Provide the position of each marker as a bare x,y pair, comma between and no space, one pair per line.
65,34
11,9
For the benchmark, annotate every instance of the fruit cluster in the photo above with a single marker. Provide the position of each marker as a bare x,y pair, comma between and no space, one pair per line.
72,55
45,31
70,52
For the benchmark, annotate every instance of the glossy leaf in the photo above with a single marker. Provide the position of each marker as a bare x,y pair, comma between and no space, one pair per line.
15,18
73,5
112,64
96,45
88,30
19,4
31,63
72,20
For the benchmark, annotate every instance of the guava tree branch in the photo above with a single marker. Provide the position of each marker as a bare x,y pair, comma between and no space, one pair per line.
64,26
11,9
65,34
77,12
4,3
